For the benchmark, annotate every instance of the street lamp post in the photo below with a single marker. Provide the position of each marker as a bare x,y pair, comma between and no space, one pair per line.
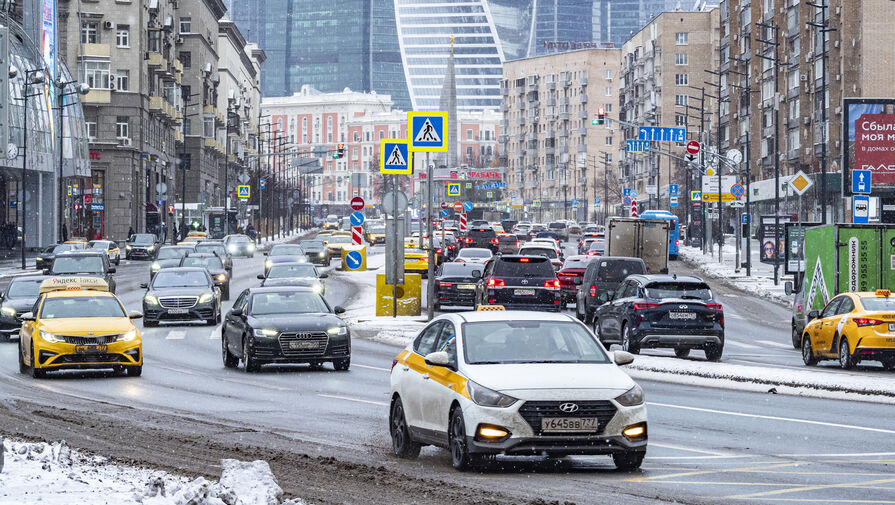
776,61
824,29
38,79
82,89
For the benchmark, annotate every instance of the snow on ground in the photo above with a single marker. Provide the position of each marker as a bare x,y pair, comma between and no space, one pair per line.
760,283
54,474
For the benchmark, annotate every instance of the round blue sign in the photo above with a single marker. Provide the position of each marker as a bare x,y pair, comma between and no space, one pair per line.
445,213
357,218
467,206
353,260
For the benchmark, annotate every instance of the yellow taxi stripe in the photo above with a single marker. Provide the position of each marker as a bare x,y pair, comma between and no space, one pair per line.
447,378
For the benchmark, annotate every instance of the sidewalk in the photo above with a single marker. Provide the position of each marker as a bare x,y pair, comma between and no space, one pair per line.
760,284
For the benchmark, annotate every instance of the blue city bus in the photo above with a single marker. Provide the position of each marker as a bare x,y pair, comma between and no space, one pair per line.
673,235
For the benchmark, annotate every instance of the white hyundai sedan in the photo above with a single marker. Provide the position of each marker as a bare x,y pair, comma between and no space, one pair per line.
514,383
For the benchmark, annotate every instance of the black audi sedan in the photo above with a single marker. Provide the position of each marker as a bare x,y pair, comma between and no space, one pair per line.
181,294
215,267
284,325
456,283
662,311
18,298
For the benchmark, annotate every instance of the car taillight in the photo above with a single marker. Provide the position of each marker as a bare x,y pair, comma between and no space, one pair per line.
438,251
524,260
495,241
494,282
863,321
394,362
467,240
714,306
518,243
593,290
552,284
644,306
591,253
445,284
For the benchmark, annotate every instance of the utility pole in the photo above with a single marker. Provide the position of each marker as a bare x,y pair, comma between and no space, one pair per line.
705,229
824,29
775,59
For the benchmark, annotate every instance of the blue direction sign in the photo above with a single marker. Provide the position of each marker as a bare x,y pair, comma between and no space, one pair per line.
637,146
673,189
357,218
394,157
597,201
427,131
860,181
860,209
662,134
445,213
626,192
744,218
353,260
467,206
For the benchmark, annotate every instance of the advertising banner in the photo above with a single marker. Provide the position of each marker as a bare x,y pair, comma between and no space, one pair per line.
869,130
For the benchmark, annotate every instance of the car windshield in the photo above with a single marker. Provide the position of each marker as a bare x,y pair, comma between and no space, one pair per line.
239,238
286,250
458,270
557,226
287,271
539,251
878,303
143,239
340,240
312,245
575,263
170,253
81,306
98,244
597,245
475,253
65,247
379,230
537,266
296,302
616,271
212,249
179,278
75,265
25,288
209,262
511,342
688,290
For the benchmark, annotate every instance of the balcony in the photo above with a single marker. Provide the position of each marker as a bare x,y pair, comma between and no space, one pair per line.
551,102
564,100
582,97
520,153
582,114
582,81
504,91
531,136
95,50
213,143
520,121
582,131
550,85
531,184
549,151
549,134
532,153
564,133
520,90
582,148
178,136
97,96
563,116
157,61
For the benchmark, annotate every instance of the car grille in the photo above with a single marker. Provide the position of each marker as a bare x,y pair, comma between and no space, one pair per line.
91,358
532,412
98,340
320,338
178,302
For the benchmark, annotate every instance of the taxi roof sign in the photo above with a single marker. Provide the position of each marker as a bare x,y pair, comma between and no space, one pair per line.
883,292
488,308
73,283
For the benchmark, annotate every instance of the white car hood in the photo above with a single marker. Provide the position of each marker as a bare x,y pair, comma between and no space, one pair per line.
551,376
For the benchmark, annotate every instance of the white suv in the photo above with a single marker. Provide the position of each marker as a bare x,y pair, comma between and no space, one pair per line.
514,383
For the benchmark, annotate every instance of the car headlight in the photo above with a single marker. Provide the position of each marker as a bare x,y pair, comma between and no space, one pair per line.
150,248
317,288
632,397
127,248
488,397
338,330
150,300
268,263
206,298
221,277
8,311
231,248
49,337
127,337
251,247
321,253
265,333
156,267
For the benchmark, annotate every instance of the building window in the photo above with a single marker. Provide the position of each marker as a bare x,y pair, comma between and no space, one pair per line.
208,127
154,41
680,120
608,91
97,74
123,36
468,134
122,78
681,100
681,38
609,140
608,75
89,32
186,58
681,59
186,25
91,128
607,108
682,79
122,129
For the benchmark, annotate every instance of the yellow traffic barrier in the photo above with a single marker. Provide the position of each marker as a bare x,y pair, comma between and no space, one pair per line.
357,262
409,296
487,308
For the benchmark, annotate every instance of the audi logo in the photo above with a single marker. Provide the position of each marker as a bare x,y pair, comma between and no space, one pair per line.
568,408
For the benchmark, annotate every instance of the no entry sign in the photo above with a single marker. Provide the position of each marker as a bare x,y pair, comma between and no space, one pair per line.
357,203
693,147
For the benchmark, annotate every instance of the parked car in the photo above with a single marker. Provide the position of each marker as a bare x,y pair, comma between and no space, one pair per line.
214,266
603,275
141,246
456,284
519,282
570,277
662,311
83,264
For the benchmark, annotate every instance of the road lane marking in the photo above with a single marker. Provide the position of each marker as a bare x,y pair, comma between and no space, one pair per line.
175,335
799,489
773,418
346,398
744,346
371,367
744,469
824,500
776,344
689,449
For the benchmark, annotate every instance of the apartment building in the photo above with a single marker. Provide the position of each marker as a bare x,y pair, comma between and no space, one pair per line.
553,155
664,70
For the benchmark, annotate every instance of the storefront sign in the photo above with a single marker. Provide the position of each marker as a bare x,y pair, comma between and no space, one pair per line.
97,207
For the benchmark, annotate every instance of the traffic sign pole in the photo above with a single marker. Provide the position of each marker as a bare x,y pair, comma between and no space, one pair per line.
430,282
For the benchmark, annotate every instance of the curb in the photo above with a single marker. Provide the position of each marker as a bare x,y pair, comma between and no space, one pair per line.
727,282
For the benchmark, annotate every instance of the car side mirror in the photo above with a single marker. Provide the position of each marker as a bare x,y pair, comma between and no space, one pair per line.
28,316
261,276
324,275
577,281
477,274
236,312
144,285
46,271
439,358
112,270
813,315
135,314
338,309
622,357
265,254
787,288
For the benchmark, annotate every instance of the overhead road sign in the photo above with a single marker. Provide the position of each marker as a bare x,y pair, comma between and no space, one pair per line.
244,191
454,189
427,131
800,183
662,134
637,146
860,181
395,157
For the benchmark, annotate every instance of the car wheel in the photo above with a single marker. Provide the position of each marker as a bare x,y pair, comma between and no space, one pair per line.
795,337
713,352
342,365
628,343
681,352
807,351
460,457
219,319
846,360
22,367
117,261
402,444
248,359
627,461
230,361
135,371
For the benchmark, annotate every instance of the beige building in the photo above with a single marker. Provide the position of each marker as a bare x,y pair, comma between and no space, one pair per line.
662,65
554,156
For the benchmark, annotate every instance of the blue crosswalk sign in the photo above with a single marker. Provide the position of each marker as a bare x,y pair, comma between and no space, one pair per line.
357,218
454,189
353,260
428,131
243,191
395,157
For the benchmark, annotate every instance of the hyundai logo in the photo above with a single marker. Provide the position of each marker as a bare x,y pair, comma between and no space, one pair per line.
568,408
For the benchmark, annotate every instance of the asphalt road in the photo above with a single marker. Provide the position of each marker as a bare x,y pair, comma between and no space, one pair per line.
324,432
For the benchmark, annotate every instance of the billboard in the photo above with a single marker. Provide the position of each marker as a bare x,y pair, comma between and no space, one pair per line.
868,128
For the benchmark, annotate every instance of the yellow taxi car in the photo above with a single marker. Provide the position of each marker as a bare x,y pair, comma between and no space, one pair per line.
191,240
110,247
76,240
416,260
79,324
197,234
375,235
852,327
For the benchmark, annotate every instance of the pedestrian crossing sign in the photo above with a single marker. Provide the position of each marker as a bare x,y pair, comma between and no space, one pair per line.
395,157
454,189
427,131
243,191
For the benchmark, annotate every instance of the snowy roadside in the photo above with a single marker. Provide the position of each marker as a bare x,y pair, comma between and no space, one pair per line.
760,283
54,474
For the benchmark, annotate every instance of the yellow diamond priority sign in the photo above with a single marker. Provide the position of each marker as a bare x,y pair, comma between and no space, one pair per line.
800,183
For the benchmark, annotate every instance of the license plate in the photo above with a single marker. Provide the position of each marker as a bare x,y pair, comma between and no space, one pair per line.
681,315
524,292
304,346
570,424
466,286
178,311
90,349
891,326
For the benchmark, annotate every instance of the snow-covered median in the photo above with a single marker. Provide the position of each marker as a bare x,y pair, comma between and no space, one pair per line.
54,474
760,283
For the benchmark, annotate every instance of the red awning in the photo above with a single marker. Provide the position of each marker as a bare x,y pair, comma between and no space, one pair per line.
151,207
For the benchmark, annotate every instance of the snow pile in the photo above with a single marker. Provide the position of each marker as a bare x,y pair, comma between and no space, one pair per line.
54,474
760,283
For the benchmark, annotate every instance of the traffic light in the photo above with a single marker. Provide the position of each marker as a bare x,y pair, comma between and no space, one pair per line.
340,152
601,117
170,210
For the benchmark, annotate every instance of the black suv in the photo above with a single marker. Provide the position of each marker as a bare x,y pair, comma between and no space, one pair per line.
603,275
670,311
482,236
560,229
141,245
83,263
519,282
